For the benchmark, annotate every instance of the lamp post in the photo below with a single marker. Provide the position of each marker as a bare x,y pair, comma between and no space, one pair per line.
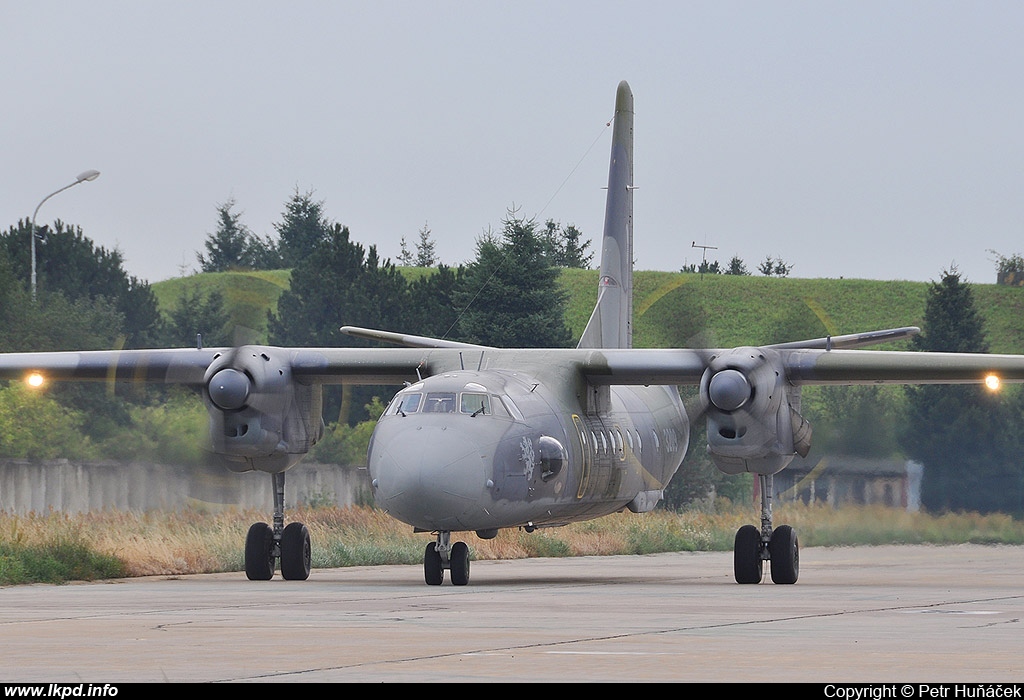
87,176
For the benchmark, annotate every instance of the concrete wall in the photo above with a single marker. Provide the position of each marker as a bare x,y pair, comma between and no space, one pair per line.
80,487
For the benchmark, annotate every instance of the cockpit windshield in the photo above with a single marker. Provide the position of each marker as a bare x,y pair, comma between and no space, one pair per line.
475,404
472,403
407,403
440,402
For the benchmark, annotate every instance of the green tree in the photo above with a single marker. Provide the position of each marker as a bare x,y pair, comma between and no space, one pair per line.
27,414
425,253
197,314
229,247
965,437
736,266
511,294
70,263
432,309
405,258
566,247
340,283
855,420
303,227
774,267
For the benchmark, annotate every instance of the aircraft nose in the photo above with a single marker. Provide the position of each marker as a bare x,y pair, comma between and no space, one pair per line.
431,477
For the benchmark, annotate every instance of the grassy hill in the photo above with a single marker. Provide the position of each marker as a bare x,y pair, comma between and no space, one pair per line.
248,296
689,310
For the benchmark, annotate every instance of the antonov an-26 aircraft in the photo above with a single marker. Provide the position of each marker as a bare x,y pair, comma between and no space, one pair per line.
483,438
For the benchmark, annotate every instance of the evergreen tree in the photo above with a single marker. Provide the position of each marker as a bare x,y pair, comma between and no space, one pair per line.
340,283
230,246
195,314
774,267
964,436
511,292
432,308
737,267
405,258
264,253
425,255
302,228
566,247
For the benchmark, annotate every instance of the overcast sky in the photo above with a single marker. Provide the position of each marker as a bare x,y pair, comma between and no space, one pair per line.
878,140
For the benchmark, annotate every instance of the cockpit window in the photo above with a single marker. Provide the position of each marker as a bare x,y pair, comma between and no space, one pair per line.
440,402
511,407
475,404
407,403
499,408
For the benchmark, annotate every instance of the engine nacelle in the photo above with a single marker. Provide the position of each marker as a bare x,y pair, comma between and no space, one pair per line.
752,413
260,417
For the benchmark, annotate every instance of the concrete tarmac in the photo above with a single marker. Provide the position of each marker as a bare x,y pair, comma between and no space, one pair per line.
897,614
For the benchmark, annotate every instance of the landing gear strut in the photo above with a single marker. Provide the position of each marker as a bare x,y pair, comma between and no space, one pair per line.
779,546
442,555
265,545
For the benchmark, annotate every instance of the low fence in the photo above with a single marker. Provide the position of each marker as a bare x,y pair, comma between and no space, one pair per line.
74,487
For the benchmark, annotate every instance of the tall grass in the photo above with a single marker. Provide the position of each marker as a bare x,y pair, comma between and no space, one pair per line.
55,547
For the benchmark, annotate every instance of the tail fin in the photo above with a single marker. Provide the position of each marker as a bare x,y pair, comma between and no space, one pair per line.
611,323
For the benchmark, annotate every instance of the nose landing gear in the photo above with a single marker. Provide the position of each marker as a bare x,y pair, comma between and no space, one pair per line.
442,555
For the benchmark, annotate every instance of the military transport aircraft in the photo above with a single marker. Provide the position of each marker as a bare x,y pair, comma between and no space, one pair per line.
482,438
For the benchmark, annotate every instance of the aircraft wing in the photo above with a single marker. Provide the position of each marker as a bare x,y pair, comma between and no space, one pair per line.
171,366
192,366
881,367
800,367
601,367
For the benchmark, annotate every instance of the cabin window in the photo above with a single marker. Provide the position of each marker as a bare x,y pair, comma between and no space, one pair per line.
440,402
617,444
475,404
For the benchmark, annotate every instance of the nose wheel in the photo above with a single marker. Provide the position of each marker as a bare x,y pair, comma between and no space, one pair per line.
441,555
266,545
778,546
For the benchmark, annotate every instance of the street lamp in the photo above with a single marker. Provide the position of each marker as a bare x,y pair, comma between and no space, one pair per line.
87,176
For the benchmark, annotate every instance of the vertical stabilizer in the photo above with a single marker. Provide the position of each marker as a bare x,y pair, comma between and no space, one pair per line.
611,323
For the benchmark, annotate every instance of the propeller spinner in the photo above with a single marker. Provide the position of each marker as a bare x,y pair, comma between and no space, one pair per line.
229,389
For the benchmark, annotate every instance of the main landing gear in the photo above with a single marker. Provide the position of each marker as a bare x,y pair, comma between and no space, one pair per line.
264,544
779,546
443,555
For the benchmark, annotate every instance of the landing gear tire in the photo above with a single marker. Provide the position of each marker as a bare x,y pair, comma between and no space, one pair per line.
747,563
784,551
433,567
460,564
259,553
295,552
